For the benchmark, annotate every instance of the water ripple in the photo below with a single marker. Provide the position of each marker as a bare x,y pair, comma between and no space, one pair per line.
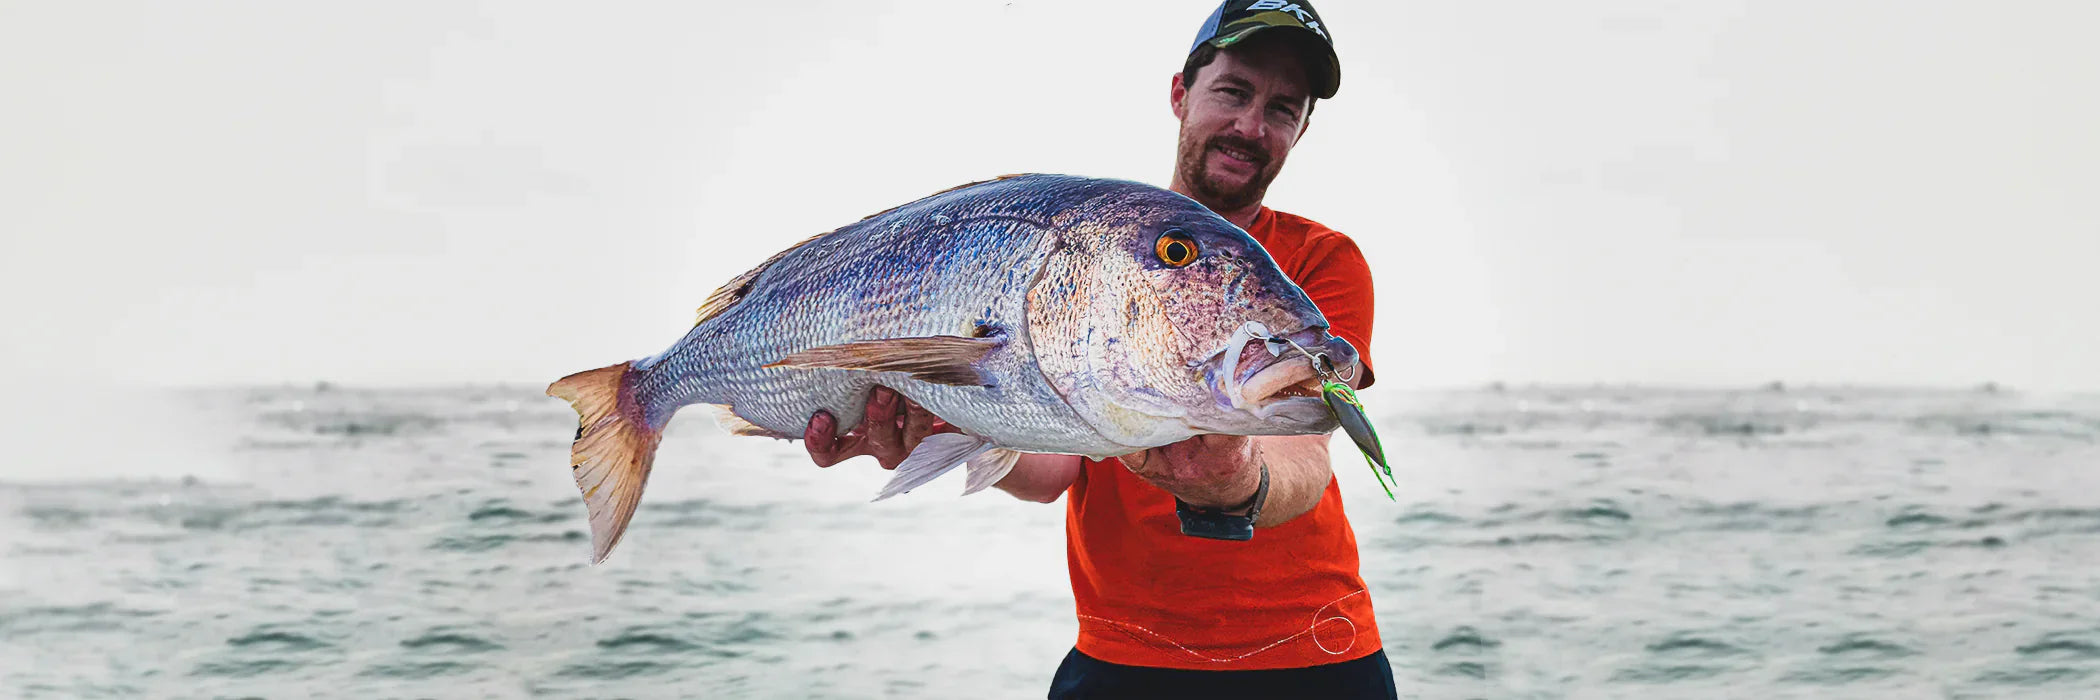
1696,647
97,617
484,543
1464,669
612,671
2061,648
1868,647
246,668
1840,676
1666,674
651,641
268,639
451,642
2032,676
418,670
1465,640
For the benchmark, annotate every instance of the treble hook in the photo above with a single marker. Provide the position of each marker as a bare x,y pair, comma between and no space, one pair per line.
1347,409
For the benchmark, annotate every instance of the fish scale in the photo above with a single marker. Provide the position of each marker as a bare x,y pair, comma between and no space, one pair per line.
833,304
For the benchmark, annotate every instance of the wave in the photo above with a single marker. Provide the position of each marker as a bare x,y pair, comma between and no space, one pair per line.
2061,647
1696,647
1856,647
649,641
486,543
449,642
418,670
247,668
94,617
1648,674
1465,640
278,640
616,670
1846,675
1464,669
2025,676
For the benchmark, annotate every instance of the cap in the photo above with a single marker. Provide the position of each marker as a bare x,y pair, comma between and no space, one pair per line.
1235,20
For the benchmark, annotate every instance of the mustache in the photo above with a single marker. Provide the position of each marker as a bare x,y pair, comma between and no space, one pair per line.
1253,148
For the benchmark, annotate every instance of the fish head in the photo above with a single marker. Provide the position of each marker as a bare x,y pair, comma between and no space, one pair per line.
1156,318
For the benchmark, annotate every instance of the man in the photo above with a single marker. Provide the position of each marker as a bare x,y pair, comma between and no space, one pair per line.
1163,613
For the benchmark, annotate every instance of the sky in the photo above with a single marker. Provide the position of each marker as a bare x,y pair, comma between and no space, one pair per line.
399,193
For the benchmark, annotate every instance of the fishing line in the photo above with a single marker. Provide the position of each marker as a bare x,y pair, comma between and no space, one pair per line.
1348,410
1310,629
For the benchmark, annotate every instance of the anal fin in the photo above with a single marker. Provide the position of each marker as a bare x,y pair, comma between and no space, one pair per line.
726,417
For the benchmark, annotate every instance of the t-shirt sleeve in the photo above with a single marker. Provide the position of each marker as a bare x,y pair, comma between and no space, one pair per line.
1338,280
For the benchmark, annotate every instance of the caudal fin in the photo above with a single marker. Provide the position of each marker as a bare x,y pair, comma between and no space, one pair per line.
613,452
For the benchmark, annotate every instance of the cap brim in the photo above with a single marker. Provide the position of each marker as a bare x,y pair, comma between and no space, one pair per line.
1329,80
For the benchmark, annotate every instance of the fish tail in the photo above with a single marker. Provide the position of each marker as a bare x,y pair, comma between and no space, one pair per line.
613,451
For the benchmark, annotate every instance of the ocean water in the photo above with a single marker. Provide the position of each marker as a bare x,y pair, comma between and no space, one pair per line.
1546,543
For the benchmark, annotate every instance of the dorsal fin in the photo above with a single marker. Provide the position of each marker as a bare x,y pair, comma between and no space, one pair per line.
963,186
729,294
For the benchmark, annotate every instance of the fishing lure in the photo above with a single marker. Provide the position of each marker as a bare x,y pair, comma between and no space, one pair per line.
1349,411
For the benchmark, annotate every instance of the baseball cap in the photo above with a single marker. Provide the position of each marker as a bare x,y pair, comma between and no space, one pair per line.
1235,20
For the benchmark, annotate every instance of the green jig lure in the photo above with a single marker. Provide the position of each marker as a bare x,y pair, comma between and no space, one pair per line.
1349,410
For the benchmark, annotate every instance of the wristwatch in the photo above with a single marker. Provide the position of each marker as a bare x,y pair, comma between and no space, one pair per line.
1216,523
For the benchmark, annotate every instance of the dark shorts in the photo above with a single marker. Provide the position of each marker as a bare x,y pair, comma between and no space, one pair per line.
1085,677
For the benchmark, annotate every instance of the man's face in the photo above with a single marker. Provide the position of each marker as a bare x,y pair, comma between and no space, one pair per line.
1239,121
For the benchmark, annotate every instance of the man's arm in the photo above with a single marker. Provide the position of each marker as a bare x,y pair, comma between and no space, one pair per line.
1298,474
1212,471
1223,471
1041,478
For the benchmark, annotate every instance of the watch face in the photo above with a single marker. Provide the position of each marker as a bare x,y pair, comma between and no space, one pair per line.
1214,526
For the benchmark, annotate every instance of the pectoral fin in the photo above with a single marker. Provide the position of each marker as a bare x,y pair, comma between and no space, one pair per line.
934,456
940,359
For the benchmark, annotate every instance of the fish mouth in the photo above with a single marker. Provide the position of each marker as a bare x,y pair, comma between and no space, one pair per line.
1259,373
1282,379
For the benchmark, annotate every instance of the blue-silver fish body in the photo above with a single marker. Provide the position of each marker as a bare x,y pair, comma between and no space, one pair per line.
1035,313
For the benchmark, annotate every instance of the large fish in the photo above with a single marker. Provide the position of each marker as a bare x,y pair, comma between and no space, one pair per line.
1035,313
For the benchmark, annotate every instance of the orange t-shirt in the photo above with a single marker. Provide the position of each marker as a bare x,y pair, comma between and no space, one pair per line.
1291,597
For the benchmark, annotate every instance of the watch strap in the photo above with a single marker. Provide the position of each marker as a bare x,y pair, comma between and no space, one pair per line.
1219,523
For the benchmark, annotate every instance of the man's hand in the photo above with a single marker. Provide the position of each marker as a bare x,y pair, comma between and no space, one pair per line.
1223,471
891,429
1207,471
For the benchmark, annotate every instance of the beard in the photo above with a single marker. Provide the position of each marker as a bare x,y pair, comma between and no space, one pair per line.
1220,192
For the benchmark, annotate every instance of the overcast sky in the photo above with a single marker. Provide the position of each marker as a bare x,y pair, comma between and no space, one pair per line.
1715,193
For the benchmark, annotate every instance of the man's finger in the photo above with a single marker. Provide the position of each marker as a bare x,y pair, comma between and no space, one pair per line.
820,437
1136,461
918,423
826,447
883,437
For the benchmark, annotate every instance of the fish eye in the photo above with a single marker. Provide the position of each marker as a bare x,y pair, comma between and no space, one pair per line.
1175,248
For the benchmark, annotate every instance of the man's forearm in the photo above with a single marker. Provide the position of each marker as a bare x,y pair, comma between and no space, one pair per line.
1300,466
1298,474
1040,478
